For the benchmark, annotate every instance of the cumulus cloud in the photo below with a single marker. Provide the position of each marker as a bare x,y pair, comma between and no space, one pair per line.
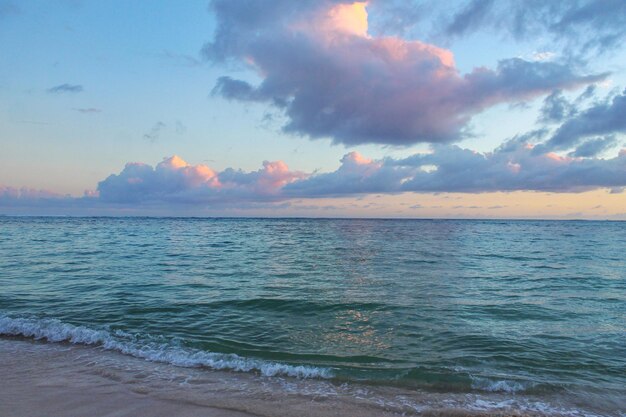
356,173
174,180
174,183
318,63
65,88
512,167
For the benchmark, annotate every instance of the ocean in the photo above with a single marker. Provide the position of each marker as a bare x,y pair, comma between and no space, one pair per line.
473,311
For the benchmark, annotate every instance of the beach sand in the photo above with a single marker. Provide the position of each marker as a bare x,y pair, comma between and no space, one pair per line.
58,379
44,379
50,380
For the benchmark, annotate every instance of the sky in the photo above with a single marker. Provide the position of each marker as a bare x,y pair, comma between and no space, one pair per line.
325,108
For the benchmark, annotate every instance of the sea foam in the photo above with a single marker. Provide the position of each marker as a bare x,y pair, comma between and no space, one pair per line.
498,385
53,330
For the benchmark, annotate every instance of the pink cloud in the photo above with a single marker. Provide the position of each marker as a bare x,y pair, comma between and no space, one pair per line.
173,179
191,175
514,166
320,66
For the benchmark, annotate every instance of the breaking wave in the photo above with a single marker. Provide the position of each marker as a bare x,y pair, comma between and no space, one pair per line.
148,348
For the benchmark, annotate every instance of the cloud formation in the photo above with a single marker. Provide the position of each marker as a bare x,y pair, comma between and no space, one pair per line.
594,147
584,27
65,88
606,117
512,167
556,108
448,168
318,64
175,181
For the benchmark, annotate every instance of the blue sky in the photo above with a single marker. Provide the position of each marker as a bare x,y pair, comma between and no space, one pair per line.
87,87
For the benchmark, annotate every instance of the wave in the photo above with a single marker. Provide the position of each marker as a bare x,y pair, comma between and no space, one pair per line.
159,349
499,385
149,348
464,380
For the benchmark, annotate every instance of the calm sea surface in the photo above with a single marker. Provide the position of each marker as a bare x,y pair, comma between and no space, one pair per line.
527,307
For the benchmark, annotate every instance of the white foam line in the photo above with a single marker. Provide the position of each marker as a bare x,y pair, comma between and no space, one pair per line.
53,330
490,385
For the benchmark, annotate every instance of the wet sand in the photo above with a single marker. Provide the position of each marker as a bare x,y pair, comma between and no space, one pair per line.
39,379
49,379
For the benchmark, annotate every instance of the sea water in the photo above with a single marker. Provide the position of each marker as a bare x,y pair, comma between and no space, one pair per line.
524,308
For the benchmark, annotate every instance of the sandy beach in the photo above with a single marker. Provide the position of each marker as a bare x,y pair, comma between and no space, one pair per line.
39,379
48,380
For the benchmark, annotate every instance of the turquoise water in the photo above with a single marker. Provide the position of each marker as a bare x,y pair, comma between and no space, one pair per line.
527,307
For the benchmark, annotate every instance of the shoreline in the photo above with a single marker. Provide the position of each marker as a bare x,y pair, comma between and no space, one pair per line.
61,379
41,379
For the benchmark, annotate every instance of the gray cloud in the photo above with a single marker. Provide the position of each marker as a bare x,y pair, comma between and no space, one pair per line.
174,184
332,81
514,167
594,147
517,169
603,118
556,108
583,28
451,169
470,17
65,88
